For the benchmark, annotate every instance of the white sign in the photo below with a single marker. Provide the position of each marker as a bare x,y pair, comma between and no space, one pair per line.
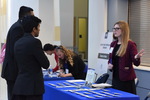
103,54
90,77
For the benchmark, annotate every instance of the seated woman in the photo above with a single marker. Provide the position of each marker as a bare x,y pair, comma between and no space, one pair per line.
71,63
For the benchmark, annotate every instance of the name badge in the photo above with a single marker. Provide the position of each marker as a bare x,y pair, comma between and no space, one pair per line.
111,49
67,71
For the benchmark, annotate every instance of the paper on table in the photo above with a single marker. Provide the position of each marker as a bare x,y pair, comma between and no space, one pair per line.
75,80
102,85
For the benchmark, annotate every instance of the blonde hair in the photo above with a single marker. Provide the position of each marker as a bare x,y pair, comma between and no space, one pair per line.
68,56
125,31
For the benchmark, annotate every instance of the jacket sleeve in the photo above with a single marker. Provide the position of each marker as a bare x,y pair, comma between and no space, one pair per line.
133,52
40,55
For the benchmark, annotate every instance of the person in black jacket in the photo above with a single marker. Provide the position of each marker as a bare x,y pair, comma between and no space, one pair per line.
30,59
9,68
71,63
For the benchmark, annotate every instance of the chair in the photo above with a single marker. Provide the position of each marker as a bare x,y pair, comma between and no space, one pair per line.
148,96
103,78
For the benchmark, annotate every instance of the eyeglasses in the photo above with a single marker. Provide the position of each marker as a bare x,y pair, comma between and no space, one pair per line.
116,29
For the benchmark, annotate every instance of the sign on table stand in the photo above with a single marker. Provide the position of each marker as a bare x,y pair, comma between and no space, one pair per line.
103,54
90,77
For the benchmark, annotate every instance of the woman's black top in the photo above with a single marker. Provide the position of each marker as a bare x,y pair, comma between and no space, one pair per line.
116,62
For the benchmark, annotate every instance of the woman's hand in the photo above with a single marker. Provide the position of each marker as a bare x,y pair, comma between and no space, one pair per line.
110,66
140,54
62,75
65,75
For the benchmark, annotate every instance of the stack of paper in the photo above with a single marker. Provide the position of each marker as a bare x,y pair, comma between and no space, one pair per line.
101,85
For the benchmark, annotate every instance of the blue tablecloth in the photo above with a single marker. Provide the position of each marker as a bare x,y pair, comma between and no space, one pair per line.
47,78
54,90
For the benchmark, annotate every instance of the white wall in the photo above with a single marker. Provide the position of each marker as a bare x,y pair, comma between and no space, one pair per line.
14,5
66,22
57,12
96,26
46,14
3,28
